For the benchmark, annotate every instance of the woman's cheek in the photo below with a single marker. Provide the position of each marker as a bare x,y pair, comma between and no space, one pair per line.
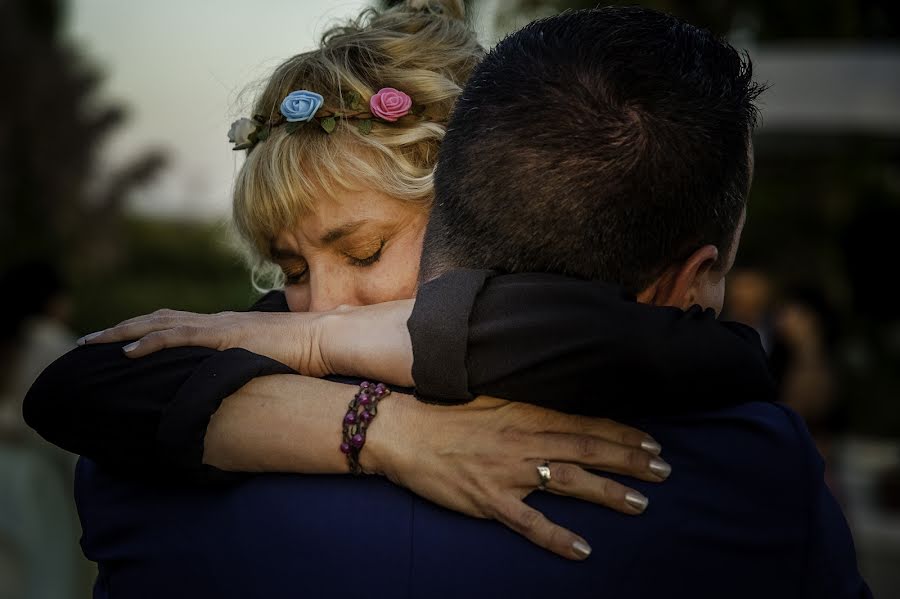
392,278
297,297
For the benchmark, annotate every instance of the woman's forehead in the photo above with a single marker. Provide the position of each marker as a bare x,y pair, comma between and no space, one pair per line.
345,213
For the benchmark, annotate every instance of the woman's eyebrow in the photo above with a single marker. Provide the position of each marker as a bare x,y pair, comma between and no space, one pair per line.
336,233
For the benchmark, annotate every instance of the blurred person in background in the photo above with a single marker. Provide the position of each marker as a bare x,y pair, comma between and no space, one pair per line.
42,310
797,329
38,531
803,358
748,299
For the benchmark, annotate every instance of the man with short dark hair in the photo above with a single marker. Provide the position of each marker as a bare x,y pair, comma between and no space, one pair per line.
615,145
606,145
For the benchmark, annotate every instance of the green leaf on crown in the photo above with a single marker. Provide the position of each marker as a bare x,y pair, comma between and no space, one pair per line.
293,127
354,101
328,124
365,126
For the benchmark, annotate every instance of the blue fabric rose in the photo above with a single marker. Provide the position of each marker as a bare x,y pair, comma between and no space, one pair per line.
301,106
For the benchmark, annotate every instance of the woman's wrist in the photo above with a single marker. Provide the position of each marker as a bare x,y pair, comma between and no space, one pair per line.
390,439
369,341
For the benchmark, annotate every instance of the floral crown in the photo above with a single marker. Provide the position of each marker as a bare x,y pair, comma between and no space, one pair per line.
302,106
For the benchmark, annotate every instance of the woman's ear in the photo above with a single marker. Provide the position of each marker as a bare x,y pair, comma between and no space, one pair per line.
679,286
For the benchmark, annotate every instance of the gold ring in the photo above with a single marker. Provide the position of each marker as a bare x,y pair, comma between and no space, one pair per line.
544,473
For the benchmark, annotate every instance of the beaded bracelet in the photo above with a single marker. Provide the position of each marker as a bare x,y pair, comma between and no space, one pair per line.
362,410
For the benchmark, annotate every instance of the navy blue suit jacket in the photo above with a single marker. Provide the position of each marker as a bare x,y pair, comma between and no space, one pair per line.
745,513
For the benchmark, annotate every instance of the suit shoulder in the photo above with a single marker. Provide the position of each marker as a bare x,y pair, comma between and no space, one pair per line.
778,440
762,445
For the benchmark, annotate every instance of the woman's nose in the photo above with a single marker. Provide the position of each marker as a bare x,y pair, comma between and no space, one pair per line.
328,293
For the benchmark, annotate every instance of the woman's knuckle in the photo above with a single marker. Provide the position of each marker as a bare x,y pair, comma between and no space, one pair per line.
512,436
565,474
585,446
636,459
153,339
158,321
527,520
604,487
186,332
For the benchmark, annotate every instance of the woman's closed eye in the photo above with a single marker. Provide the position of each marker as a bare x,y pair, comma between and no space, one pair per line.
295,276
366,260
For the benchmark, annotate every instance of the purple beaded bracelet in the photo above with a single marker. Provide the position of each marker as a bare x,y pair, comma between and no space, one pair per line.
362,410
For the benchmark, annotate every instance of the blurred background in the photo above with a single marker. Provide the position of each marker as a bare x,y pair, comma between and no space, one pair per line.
115,177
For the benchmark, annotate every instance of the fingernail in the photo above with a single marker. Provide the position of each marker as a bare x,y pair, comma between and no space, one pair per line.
636,500
133,346
87,338
660,468
581,548
651,446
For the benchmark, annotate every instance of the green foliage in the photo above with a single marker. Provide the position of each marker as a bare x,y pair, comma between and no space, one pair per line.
182,266
52,126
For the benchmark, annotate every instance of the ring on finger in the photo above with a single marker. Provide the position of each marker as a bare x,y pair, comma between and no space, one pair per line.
544,473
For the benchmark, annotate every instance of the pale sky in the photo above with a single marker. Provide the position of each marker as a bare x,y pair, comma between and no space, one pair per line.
180,68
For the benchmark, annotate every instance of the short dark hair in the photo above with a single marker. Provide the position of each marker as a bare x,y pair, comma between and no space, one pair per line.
604,144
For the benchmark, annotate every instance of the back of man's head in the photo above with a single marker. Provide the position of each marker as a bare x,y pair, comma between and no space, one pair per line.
604,144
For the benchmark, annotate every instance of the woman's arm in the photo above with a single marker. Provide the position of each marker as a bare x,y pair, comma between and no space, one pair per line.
140,414
551,340
563,343
151,413
479,459
166,411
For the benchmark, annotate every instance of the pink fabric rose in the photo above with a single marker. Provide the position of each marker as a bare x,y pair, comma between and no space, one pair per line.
390,104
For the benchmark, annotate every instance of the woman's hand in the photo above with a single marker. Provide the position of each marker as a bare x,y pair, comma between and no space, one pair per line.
481,459
369,341
292,338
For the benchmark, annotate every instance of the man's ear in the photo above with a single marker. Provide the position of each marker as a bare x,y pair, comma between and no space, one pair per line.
679,285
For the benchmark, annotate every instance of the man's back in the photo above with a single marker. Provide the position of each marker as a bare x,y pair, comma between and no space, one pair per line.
745,513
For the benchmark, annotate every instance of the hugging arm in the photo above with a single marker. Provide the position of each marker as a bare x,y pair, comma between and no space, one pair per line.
577,346
557,342
203,413
145,414
553,341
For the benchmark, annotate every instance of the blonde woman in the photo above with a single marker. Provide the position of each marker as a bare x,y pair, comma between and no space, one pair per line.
341,215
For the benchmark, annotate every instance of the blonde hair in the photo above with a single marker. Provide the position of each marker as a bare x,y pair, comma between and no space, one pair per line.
423,48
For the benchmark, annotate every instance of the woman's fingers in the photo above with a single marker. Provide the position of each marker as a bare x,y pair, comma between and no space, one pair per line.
574,481
160,330
607,429
162,316
133,328
533,525
181,336
123,332
543,420
141,326
594,452
619,433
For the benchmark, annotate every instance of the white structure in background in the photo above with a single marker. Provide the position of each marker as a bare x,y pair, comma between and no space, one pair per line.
815,87
822,88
